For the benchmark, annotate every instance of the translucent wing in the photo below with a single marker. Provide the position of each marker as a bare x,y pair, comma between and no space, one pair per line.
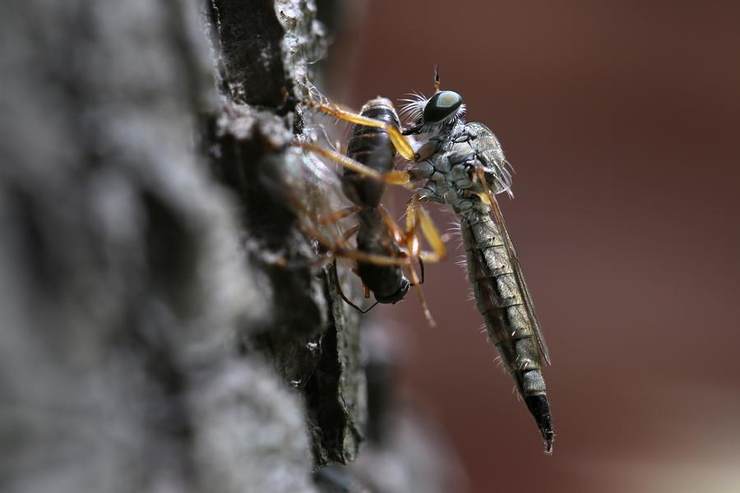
498,217
489,152
494,173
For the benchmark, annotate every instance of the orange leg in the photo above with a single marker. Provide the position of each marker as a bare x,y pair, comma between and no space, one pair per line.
400,142
338,215
395,177
417,216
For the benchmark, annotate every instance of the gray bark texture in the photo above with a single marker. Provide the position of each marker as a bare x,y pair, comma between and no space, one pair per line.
147,345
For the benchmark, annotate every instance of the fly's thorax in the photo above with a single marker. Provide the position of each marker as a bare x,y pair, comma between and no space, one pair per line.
458,151
497,169
451,181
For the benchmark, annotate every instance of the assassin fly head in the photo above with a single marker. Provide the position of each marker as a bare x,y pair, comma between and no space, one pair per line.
442,108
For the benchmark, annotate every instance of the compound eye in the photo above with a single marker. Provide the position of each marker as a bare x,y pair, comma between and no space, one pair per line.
441,106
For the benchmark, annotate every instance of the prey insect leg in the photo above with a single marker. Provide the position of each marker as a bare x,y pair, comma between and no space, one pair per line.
401,143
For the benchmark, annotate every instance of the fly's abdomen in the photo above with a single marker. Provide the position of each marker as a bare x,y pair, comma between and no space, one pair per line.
373,148
498,296
501,302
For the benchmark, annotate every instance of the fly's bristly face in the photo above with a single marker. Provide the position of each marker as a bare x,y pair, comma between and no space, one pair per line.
430,115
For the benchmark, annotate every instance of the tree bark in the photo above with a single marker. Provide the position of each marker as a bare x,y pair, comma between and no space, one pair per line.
126,288
148,341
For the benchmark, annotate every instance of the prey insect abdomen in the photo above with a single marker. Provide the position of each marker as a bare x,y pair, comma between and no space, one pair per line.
372,147
387,282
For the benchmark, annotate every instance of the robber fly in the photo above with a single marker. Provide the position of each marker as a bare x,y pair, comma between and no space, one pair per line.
462,165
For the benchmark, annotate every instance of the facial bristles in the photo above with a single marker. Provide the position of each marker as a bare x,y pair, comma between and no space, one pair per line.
413,106
462,111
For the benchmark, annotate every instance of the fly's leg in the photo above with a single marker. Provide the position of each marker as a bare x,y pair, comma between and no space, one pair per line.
341,248
395,177
401,143
421,271
408,239
337,216
408,248
417,216
350,232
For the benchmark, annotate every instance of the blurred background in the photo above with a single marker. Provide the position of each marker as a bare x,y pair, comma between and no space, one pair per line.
620,119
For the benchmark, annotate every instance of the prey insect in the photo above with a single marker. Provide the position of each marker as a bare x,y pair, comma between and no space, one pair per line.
372,147
376,231
461,164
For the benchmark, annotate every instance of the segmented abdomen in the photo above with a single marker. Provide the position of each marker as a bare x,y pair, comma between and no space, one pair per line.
501,302
372,147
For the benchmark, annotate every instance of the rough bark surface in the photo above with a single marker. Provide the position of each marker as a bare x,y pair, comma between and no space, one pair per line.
312,341
148,343
124,286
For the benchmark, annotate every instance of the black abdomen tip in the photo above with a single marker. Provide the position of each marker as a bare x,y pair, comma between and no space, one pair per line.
540,409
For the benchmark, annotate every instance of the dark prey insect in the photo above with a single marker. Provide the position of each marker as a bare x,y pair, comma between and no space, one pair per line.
373,148
462,165
377,232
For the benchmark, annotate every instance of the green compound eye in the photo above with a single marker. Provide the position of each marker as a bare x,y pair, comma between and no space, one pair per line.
441,106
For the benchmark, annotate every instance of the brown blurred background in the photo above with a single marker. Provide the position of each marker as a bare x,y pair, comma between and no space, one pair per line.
621,119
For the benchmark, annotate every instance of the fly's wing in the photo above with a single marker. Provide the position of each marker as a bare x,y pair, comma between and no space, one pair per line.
496,179
489,152
498,217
